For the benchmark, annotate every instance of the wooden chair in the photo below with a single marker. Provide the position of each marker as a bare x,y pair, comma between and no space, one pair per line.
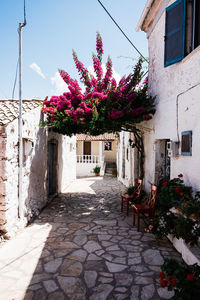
143,209
135,197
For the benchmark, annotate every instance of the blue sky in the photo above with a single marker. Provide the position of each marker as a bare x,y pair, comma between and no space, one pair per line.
53,28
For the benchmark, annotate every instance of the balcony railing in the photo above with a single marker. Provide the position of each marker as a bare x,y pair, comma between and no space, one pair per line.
88,159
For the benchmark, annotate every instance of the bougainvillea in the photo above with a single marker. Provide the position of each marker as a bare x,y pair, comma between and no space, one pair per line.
104,105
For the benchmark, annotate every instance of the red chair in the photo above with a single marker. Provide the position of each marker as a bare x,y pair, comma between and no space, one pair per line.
143,209
135,197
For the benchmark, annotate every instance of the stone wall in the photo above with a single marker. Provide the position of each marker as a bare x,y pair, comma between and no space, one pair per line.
34,190
35,170
2,179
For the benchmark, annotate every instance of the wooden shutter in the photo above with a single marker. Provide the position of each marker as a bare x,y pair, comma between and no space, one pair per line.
186,143
175,32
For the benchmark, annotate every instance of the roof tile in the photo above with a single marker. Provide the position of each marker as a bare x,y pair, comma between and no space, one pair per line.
9,109
102,137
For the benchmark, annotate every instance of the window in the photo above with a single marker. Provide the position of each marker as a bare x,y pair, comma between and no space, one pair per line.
107,146
182,29
186,143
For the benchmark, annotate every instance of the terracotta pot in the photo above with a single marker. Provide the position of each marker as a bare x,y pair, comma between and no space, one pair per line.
96,174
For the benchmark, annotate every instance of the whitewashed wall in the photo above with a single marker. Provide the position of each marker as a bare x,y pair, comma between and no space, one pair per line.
35,169
66,162
167,83
86,169
125,176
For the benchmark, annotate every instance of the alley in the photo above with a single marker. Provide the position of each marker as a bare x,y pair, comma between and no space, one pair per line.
82,247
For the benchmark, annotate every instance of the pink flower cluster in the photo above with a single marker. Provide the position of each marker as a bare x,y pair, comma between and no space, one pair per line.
77,107
82,70
108,76
115,114
99,46
103,97
97,67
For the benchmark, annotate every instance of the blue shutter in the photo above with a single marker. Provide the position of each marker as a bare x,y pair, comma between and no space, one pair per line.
175,32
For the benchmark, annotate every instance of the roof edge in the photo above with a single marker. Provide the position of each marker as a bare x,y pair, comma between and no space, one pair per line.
144,14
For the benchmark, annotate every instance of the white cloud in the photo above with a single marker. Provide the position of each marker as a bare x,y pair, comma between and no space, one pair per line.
115,74
37,69
59,84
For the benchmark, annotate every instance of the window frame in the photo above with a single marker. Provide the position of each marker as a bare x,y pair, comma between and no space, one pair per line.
170,62
111,146
189,26
189,133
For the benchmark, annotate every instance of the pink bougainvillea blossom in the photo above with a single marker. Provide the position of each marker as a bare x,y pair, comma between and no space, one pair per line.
104,105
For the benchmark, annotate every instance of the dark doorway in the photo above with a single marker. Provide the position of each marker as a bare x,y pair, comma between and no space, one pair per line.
163,161
52,168
87,148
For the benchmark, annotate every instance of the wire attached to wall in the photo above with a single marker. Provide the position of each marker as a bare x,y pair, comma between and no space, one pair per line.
122,31
17,68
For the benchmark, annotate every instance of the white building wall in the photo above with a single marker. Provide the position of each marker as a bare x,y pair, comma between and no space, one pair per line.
124,151
177,90
35,168
34,190
66,162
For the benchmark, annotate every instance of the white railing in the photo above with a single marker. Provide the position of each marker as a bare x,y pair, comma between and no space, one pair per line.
88,159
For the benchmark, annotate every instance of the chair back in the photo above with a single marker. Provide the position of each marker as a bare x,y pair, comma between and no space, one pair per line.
137,188
153,196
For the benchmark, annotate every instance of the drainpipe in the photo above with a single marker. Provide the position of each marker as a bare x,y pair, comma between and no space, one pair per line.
131,161
20,142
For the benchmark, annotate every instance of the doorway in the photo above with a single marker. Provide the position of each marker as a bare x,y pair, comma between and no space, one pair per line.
87,148
162,161
52,168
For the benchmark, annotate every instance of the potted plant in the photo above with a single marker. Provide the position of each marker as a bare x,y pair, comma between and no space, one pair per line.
184,280
96,170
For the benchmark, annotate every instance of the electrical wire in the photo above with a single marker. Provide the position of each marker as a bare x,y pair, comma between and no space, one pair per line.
24,24
122,31
17,68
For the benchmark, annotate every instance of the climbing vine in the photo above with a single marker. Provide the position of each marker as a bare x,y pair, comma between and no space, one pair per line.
104,105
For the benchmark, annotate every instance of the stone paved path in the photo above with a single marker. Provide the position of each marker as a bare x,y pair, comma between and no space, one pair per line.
82,247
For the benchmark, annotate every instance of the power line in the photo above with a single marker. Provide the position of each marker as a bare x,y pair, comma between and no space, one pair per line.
122,31
13,92
24,13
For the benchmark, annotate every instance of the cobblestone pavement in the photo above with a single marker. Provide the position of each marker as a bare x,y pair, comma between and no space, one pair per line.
82,247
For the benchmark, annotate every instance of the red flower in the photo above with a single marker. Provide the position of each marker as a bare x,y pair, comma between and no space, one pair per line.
161,275
177,190
190,277
180,175
173,281
181,194
191,191
163,283
164,183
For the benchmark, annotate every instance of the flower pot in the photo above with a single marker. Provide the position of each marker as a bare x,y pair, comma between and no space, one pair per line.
96,174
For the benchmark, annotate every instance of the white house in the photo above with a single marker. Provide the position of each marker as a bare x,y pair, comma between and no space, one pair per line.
172,143
48,164
98,150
